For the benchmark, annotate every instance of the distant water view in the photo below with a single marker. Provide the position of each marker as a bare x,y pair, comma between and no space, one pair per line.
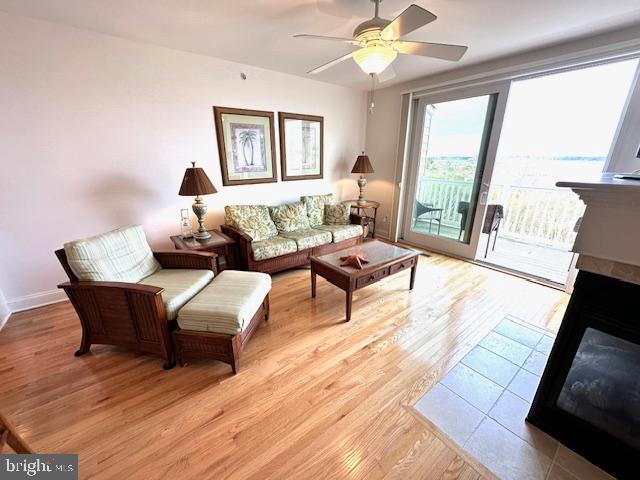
532,171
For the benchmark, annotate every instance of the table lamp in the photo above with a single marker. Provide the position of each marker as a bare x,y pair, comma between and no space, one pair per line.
196,182
362,166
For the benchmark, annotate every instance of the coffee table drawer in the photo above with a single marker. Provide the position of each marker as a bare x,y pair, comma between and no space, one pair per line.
372,277
398,267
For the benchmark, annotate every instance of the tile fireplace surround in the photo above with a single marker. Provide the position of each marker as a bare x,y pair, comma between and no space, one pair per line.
481,404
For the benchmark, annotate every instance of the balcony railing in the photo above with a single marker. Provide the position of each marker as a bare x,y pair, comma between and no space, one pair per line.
542,216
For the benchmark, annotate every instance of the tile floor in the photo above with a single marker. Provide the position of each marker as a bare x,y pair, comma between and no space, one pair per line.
482,402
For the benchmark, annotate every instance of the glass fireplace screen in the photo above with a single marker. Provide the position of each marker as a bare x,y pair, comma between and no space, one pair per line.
603,385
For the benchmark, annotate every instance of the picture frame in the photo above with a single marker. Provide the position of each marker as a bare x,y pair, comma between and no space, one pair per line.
246,146
301,146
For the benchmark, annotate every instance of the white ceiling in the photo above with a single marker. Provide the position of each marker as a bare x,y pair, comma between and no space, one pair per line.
259,32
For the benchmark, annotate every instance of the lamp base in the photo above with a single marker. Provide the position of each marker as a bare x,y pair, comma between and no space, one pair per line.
362,182
200,209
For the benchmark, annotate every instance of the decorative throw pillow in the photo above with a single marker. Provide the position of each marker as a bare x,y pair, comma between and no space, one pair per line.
290,217
337,214
254,220
315,207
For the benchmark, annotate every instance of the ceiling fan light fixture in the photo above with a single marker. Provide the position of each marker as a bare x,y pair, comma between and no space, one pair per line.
374,59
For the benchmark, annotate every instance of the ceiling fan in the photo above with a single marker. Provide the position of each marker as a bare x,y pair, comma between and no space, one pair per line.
379,42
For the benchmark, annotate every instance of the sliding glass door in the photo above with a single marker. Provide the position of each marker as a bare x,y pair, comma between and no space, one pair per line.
454,144
558,126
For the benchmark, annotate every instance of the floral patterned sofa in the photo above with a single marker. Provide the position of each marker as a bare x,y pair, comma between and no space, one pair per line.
271,239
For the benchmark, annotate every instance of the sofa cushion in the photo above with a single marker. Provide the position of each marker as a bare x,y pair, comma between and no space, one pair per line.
179,285
121,255
273,247
339,214
315,207
309,237
342,232
254,220
290,217
228,304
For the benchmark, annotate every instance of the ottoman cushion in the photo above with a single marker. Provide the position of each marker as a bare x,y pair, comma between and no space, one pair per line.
227,304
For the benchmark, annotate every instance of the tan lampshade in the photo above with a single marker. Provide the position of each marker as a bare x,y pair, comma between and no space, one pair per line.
196,182
362,165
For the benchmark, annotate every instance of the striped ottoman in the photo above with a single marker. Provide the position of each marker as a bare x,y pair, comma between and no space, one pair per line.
219,320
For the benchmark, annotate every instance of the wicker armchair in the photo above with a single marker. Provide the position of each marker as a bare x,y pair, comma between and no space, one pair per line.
133,315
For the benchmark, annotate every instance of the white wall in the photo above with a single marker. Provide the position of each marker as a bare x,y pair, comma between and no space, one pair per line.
4,310
96,132
382,127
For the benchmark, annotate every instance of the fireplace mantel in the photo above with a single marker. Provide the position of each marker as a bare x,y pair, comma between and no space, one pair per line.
608,239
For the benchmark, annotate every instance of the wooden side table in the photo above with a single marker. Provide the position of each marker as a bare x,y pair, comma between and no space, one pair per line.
369,216
218,243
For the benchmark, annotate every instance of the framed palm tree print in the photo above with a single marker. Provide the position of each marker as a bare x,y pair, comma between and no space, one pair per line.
246,145
301,146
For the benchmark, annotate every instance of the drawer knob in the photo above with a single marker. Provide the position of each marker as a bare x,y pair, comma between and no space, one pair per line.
371,277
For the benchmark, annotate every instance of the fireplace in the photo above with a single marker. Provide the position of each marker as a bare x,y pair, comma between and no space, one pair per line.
589,395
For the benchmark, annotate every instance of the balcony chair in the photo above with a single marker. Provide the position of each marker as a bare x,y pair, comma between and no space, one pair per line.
492,219
463,210
426,212
127,295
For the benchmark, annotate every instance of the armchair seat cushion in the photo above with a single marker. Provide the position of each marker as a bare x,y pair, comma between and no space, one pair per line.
309,237
121,255
227,304
179,285
342,232
273,247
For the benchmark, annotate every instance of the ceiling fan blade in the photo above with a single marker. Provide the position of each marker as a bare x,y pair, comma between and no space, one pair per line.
330,64
322,37
435,50
411,19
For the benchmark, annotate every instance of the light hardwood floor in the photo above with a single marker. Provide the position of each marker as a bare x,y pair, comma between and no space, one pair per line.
315,397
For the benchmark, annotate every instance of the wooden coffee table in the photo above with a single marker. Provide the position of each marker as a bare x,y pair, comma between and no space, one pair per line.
385,260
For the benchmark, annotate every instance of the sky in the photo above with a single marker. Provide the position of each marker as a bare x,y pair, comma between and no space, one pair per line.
572,113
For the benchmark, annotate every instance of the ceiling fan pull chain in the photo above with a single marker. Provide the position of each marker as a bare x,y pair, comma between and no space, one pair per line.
371,96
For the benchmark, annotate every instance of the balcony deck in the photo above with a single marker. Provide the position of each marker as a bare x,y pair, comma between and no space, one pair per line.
549,263
534,236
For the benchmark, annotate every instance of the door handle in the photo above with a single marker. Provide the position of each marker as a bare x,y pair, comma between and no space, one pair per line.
483,197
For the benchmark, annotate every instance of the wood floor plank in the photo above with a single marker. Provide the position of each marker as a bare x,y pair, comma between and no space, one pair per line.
315,397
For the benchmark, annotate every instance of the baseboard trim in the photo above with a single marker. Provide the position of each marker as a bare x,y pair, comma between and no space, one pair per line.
34,300
4,318
382,234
